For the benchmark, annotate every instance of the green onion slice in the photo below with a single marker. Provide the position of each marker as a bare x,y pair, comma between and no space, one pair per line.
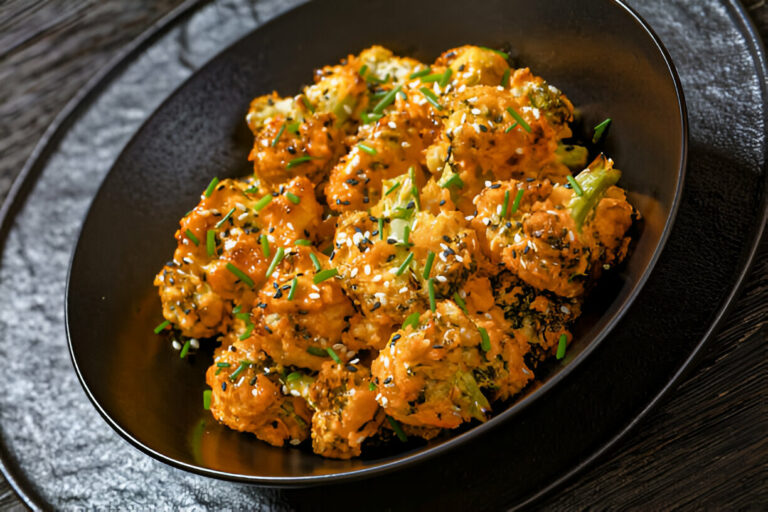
485,341
366,148
600,130
315,351
277,137
184,350
210,242
333,355
324,275
300,160
428,264
192,237
302,241
460,302
207,399
575,184
446,77
431,97
420,73
516,202
211,187
293,197
263,202
240,274
431,292
292,291
397,428
386,100
275,261
519,119
505,78
392,188
562,344
453,180
499,52
404,265
225,218
505,206
264,245
161,326
315,262
412,320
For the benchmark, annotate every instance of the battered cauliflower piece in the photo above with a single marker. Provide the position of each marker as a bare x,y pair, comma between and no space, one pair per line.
246,395
346,411
473,65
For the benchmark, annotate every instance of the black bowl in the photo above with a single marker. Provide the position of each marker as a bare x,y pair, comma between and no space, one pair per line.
599,52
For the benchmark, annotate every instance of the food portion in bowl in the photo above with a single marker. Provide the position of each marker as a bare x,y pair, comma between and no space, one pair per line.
412,244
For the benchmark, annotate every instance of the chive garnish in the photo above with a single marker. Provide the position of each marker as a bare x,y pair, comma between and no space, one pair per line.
184,350
366,148
243,365
300,160
222,365
251,190
381,228
431,292
315,351
307,104
404,264
315,262
561,346
412,320
302,241
446,77
516,202
421,72
485,341
210,242
386,100
247,332
519,119
575,184
324,275
162,326
240,274
264,245
225,218
453,180
293,197
237,309
392,188
505,78
511,127
431,97
292,292
279,133
599,130
432,77
505,206
211,186
371,386
293,376
499,52
207,399
328,250
261,203
192,237
428,264
333,355
363,70
369,118
460,302
293,127
275,261
397,428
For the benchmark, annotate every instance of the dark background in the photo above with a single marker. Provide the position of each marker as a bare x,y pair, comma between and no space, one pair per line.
706,446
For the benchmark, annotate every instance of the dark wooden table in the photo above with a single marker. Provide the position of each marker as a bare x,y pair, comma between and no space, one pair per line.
705,447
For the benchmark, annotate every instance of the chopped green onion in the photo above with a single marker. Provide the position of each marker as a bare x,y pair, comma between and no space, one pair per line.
207,399
315,351
369,118
293,376
302,241
315,262
562,344
412,320
192,237
446,77
246,334
519,119
307,104
224,219
210,242
511,127
184,350
406,234
404,264
433,77
431,292
392,188
275,261
333,355
485,341
237,309
264,245
505,206
293,127
300,160
499,52
240,274
292,291
222,365
398,429
277,137
366,148
505,78
162,326
371,386
421,72
293,197
328,250
575,184
251,190
211,186
516,202
431,97
261,203
599,130
460,302
243,365
453,180
428,265
386,100
363,70
381,228
243,316
325,274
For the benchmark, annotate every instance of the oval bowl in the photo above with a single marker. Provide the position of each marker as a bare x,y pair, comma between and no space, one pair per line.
599,52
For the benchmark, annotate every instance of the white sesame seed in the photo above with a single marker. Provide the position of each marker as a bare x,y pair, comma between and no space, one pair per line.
565,309
476,111
314,295
392,125
338,346
354,272
240,206
441,279
295,442
459,258
243,216
194,343
404,289
377,278
367,270
295,392
176,345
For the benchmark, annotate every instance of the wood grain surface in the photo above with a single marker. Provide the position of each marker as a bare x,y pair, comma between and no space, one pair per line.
705,447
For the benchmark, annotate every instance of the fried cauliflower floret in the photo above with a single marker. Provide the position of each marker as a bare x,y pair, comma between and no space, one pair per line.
246,395
426,374
297,329
264,109
473,65
384,66
546,98
346,411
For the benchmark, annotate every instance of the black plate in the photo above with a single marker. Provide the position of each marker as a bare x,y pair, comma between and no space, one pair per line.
150,396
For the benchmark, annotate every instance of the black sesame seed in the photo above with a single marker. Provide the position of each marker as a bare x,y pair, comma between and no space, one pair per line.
376,306
496,185
268,329
223,386
351,368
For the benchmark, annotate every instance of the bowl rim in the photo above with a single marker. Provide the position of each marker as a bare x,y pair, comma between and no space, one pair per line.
425,454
